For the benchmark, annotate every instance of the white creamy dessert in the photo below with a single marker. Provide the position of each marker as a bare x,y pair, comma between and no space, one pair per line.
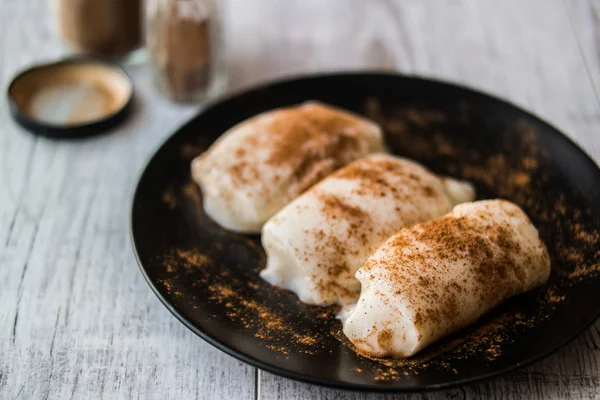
317,242
440,276
261,164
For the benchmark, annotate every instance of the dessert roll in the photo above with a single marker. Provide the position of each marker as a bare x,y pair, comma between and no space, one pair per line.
261,164
316,243
440,276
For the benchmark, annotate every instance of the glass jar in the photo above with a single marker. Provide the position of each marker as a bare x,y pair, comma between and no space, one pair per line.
186,48
110,28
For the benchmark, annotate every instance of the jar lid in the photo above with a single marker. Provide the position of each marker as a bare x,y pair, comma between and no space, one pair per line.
74,97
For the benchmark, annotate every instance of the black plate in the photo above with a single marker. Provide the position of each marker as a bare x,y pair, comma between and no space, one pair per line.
208,277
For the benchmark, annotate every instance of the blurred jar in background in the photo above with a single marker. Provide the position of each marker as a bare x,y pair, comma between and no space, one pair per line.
110,28
186,48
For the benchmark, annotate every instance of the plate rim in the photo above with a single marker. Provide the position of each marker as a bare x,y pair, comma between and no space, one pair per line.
382,387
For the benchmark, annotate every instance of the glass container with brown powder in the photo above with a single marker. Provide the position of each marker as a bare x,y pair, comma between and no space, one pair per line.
110,28
183,38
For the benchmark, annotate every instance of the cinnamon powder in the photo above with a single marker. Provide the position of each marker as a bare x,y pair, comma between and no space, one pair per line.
311,139
179,40
110,28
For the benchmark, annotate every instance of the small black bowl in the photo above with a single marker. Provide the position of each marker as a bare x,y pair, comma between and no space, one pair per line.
71,98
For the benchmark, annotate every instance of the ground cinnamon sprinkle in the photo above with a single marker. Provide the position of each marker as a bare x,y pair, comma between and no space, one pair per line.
333,247
384,339
184,261
191,258
190,190
369,174
302,132
247,302
333,205
168,198
190,151
447,238
312,140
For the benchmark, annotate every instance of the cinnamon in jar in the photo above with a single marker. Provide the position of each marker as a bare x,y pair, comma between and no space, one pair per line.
110,28
182,38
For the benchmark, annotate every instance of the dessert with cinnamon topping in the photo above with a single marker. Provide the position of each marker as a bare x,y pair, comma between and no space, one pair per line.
440,276
263,163
317,242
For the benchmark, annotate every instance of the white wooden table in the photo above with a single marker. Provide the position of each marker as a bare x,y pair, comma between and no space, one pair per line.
77,320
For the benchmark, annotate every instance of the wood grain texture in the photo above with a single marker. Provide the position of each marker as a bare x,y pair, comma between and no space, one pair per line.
585,18
77,319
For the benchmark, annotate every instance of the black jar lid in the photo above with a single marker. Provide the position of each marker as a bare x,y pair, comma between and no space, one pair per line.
74,97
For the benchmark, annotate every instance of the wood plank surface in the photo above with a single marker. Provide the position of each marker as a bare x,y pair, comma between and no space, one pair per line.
585,18
77,320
